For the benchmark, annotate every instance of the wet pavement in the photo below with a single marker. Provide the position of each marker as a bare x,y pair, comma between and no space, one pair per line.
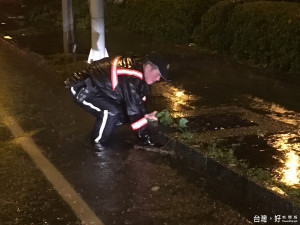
123,184
254,117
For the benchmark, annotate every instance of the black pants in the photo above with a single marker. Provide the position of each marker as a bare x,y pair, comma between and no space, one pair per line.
108,113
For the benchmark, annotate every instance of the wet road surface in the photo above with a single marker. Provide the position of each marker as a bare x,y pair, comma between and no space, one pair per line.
230,104
122,184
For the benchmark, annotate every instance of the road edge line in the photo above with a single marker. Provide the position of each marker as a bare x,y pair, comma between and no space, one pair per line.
60,184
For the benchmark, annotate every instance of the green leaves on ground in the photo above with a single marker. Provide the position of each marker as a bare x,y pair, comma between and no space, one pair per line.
165,118
183,122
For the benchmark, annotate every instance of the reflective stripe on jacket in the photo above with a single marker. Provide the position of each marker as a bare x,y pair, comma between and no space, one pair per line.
122,80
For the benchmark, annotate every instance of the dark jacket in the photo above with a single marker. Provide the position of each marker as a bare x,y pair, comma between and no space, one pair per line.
121,80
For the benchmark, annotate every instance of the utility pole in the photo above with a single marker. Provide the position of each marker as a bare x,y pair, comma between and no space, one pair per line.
68,27
98,50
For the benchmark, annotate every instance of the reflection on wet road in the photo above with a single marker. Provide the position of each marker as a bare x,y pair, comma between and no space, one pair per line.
275,139
289,145
275,111
122,185
226,103
180,102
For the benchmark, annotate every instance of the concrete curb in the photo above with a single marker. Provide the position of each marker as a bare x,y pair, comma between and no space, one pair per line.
257,200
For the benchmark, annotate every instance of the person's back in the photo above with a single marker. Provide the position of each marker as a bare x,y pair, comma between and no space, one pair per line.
127,77
115,88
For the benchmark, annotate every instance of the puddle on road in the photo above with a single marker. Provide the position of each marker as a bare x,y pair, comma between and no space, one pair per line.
273,159
275,156
289,146
275,111
217,122
176,100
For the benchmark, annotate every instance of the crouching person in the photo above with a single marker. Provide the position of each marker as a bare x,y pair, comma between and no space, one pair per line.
114,90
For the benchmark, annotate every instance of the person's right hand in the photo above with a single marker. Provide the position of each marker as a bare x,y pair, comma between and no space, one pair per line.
151,116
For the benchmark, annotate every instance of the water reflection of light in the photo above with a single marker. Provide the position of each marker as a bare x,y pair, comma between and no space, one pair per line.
281,114
277,189
289,172
179,93
7,37
180,100
277,112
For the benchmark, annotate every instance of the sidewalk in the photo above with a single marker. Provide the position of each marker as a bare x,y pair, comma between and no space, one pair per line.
243,128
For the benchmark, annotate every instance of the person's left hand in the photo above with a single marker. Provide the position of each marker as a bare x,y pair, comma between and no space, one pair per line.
151,116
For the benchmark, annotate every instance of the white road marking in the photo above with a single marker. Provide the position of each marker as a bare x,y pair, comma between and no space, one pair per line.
61,185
